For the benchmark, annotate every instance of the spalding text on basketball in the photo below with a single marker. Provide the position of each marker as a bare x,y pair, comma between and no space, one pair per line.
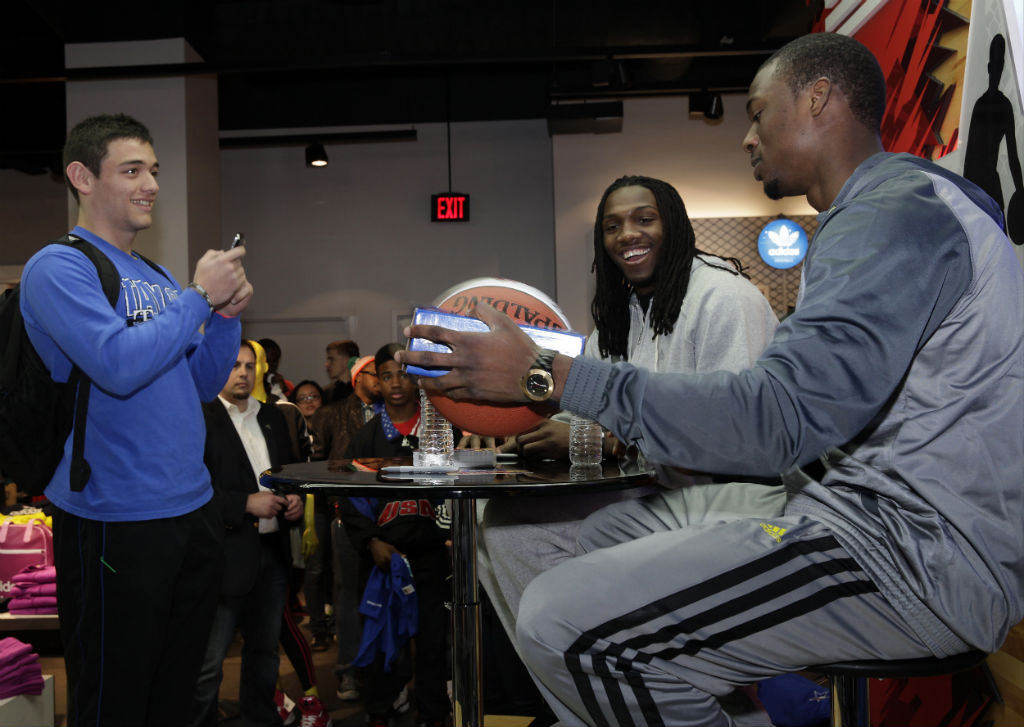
465,304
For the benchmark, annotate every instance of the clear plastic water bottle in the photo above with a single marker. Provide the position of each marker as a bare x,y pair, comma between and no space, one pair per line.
579,473
585,440
436,441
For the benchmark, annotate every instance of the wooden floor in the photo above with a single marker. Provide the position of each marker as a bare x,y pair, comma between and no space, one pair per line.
343,714
1007,668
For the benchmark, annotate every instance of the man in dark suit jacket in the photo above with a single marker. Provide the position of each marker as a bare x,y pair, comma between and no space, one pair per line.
243,438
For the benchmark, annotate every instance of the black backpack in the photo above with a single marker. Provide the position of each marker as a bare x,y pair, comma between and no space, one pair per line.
36,412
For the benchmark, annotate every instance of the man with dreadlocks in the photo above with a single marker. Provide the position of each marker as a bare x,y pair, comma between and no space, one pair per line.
666,306
890,400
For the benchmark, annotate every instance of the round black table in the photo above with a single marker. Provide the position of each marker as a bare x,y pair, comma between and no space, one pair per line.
463,487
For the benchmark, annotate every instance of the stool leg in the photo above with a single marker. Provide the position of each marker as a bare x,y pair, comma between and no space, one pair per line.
850,706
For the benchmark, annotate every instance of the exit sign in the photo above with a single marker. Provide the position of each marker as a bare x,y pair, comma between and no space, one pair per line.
450,207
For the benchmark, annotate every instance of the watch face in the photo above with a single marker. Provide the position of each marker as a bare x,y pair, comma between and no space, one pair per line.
538,384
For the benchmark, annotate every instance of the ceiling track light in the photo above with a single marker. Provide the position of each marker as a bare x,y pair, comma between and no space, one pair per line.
706,105
713,110
316,155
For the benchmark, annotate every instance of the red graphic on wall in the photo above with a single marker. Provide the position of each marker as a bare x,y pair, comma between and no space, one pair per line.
922,49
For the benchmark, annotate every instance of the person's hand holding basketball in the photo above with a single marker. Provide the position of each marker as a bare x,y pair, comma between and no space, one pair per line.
486,366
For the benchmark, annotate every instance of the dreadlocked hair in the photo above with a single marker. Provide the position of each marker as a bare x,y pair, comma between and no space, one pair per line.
610,307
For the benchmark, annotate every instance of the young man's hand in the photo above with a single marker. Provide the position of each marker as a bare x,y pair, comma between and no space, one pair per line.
238,302
221,275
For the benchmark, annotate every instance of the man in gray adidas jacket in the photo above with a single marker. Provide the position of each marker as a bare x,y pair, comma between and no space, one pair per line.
892,399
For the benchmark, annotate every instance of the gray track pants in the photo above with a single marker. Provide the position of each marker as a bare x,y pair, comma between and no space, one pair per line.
659,619
522,537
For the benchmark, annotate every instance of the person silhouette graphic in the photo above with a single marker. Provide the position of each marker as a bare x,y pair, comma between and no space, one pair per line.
991,121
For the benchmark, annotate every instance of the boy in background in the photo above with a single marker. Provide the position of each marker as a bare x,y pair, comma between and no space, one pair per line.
379,528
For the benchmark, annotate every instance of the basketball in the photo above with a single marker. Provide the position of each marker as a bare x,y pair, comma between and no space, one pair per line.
523,304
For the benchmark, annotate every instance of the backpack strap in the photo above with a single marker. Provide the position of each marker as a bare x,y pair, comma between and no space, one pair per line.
110,281
152,264
12,346
80,470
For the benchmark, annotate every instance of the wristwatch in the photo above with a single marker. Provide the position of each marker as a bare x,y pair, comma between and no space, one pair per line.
537,384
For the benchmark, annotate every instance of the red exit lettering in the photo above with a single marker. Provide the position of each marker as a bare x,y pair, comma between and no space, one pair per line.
450,208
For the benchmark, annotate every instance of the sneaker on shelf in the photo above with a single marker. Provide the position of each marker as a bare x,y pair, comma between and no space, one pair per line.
313,713
347,690
321,642
285,707
401,703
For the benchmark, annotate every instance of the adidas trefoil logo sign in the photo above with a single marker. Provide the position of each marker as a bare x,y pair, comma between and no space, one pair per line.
782,244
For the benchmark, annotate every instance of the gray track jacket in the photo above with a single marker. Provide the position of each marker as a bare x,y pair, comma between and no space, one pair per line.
902,370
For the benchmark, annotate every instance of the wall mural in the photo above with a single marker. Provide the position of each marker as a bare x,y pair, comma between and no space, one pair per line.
992,124
922,48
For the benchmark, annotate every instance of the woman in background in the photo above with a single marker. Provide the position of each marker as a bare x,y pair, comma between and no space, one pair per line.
308,396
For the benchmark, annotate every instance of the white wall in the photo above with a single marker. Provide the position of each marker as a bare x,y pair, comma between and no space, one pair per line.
339,251
33,210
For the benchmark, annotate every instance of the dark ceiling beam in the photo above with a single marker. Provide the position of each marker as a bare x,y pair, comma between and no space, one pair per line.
388,65
644,92
347,137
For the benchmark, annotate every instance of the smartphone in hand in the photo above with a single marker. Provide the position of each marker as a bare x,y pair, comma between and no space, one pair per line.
239,240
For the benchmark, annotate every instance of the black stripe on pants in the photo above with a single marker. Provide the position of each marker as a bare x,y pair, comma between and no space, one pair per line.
611,660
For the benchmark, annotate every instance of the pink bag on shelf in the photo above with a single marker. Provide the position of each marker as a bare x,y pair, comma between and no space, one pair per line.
20,547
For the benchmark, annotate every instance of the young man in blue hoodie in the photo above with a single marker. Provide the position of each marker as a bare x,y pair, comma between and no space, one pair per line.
139,549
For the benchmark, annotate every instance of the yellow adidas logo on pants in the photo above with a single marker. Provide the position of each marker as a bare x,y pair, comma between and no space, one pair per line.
774,531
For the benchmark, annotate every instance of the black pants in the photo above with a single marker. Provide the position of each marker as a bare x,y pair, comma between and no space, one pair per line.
136,601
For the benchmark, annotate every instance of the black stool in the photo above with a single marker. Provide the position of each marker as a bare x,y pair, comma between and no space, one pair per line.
848,680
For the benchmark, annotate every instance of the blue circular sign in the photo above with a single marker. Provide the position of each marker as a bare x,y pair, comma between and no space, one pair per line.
782,244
